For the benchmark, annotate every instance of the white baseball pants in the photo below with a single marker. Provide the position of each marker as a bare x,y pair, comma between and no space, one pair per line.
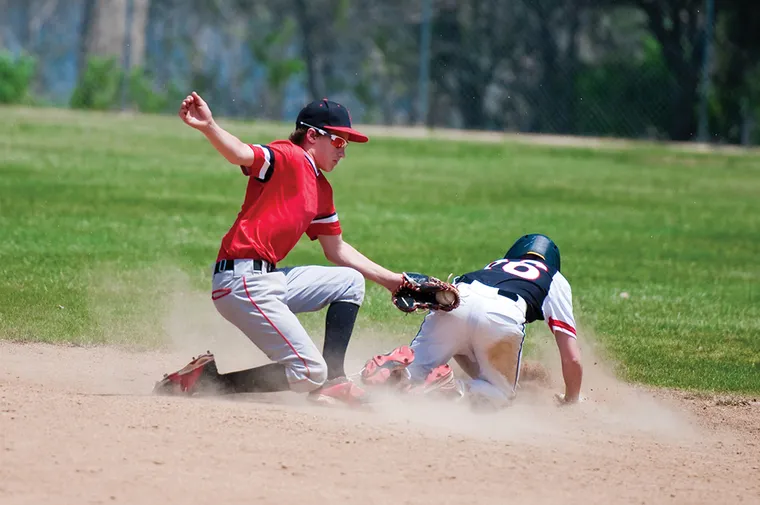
264,306
487,329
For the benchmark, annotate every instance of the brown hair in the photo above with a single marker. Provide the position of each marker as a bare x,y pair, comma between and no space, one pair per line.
298,136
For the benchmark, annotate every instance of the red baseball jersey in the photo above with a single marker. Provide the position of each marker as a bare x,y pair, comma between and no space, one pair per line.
287,196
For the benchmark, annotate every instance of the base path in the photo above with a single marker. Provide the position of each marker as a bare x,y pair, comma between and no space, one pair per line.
78,425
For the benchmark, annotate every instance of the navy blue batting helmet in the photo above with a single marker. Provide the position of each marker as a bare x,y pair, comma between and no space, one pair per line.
536,245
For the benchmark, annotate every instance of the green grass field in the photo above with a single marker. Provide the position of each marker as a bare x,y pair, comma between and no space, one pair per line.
96,209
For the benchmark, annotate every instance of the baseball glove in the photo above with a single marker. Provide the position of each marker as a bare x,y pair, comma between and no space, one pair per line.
423,292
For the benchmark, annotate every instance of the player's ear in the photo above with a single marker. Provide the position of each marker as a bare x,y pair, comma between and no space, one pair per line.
311,136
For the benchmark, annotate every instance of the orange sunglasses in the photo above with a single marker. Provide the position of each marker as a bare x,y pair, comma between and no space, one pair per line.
335,140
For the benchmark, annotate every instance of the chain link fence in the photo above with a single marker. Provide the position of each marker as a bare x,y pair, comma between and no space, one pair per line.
637,69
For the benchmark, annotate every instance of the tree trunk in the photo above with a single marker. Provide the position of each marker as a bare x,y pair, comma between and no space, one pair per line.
314,79
470,101
684,66
85,31
25,32
549,118
570,101
106,33
139,29
684,122
106,28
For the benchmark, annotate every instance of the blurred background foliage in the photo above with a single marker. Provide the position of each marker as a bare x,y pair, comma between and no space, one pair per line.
657,69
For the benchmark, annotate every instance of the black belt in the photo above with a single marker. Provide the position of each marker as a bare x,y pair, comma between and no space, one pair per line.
258,265
507,294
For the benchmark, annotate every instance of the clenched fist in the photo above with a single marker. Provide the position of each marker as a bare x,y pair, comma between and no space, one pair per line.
195,112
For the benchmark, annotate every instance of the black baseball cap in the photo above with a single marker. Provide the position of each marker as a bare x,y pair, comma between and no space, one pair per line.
330,116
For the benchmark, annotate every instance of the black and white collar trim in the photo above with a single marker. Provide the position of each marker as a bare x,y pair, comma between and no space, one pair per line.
311,162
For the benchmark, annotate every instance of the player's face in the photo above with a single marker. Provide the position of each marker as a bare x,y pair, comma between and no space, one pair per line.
329,150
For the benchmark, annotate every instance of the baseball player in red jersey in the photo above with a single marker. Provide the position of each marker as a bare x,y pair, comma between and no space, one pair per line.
287,195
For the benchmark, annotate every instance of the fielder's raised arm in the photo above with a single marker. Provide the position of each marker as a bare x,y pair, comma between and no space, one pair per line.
196,113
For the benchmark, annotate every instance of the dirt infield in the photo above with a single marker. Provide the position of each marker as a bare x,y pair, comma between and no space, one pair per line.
78,425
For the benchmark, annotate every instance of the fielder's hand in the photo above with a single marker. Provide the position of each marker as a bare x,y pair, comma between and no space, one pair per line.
195,112
424,292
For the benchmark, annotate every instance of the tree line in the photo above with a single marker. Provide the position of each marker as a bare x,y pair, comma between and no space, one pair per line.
629,68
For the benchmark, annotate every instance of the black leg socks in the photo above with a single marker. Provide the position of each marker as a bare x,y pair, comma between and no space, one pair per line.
339,324
262,379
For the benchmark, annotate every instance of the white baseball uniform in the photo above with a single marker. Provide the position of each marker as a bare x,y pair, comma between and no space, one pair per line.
488,327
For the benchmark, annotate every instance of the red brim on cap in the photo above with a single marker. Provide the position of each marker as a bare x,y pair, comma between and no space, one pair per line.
353,135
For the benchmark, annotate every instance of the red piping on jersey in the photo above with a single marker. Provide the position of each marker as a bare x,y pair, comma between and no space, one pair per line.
561,324
308,373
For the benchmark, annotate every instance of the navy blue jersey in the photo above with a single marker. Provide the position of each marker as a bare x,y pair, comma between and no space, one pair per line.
545,290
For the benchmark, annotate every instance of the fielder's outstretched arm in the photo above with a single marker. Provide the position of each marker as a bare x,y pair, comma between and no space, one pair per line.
572,370
342,253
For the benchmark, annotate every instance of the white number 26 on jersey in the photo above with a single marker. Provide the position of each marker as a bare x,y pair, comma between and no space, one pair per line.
529,270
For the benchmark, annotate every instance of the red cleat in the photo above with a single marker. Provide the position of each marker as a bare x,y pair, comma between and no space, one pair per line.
384,367
339,390
440,381
190,378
